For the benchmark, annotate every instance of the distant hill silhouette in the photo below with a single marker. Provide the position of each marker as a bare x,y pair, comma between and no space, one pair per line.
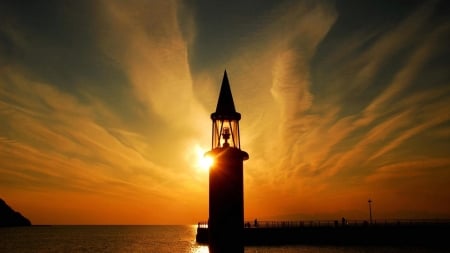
11,218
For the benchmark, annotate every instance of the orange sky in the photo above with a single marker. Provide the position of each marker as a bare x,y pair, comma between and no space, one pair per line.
105,106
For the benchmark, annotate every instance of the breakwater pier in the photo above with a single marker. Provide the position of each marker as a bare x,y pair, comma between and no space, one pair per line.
426,232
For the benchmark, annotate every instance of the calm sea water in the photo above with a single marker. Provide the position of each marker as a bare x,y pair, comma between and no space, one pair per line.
142,239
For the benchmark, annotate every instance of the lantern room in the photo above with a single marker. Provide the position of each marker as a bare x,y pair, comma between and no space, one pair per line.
225,120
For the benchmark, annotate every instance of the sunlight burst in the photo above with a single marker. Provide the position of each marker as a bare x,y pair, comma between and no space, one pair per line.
203,162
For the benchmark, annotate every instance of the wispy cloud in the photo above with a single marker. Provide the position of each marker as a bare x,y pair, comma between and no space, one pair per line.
78,143
154,56
56,143
323,144
330,111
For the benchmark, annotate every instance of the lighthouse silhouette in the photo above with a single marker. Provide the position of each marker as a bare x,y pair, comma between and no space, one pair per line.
226,178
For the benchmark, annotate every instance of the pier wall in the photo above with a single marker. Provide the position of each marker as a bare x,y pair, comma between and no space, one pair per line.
425,233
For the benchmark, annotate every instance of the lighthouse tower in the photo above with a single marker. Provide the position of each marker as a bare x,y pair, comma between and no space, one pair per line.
226,184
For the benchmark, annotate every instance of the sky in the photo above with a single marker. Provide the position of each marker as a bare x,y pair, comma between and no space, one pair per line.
105,108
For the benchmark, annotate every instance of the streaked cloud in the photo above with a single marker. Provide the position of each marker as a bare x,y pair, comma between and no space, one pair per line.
110,109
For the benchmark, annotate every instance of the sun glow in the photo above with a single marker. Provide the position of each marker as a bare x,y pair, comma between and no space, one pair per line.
203,162
206,162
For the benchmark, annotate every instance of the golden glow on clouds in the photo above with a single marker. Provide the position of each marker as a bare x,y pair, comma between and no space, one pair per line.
321,139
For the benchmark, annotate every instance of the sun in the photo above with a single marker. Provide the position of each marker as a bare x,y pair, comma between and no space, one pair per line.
206,162
203,162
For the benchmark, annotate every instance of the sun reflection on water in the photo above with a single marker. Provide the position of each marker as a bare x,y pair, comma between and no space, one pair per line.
200,249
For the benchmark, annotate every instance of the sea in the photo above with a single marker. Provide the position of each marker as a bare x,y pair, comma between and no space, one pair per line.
158,239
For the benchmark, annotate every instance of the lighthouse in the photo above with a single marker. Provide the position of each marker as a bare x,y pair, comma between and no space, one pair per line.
226,177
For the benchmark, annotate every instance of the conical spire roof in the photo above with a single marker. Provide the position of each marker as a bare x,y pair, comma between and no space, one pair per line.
225,105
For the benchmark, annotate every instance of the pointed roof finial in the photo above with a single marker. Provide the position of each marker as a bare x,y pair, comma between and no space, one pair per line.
225,105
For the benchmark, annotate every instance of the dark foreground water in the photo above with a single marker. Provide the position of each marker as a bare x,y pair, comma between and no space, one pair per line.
144,239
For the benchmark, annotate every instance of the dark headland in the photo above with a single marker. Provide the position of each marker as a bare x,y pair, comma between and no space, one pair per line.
11,218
